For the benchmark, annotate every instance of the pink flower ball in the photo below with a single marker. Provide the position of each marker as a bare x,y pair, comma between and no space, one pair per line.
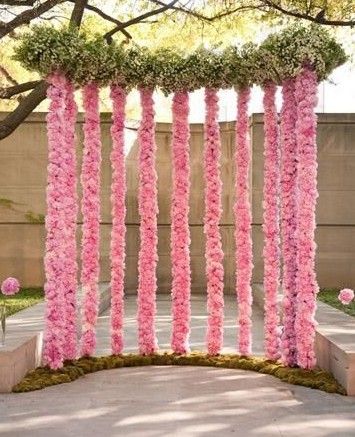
346,296
10,286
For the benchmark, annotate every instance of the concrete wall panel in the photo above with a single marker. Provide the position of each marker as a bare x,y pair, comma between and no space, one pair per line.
23,162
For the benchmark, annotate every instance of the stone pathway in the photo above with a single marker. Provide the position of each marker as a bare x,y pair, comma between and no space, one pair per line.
177,401
198,326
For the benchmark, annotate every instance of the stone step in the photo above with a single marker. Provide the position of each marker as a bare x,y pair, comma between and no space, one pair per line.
335,340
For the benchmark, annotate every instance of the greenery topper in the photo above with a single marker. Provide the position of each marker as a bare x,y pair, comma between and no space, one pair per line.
84,58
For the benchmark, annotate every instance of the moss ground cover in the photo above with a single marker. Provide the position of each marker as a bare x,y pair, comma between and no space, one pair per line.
44,377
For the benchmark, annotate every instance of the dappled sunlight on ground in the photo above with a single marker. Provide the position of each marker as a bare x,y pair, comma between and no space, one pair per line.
174,401
177,401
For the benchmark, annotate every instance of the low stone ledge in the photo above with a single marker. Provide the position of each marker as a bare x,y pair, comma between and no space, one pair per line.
335,341
23,347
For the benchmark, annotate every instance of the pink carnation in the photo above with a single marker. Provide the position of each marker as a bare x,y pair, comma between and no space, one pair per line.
243,227
271,225
346,296
213,212
11,286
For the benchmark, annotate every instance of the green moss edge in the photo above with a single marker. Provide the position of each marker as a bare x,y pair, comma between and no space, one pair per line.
44,377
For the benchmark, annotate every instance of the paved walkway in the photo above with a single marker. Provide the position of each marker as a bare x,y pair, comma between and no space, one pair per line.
177,401
198,326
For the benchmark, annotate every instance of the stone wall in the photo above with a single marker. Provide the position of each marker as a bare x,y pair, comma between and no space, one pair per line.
336,203
23,163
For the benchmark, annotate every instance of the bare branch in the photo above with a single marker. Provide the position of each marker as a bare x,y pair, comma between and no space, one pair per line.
319,18
27,16
264,5
7,93
30,102
27,105
59,18
17,2
78,12
107,17
135,20
222,14
8,76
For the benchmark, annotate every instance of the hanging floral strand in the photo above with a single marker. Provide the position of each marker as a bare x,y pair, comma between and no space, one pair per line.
271,226
242,211
180,232
90,180
148,210
70,347
213,212
307,287
289,221
118,190
55,256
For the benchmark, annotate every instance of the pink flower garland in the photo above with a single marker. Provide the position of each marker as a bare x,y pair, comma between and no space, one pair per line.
55,256
180,232
242,211
289,158
213,212
90,179
71,211
148,210
271,223
307,288
118,190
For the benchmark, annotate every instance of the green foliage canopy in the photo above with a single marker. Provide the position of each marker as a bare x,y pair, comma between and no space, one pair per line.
85,58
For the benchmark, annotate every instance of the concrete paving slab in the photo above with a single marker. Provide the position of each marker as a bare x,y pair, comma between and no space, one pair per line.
198,325
176,401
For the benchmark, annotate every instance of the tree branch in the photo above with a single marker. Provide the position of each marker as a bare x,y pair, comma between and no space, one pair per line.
27,16
29,103
17,2
78,12
212,18
8,76
269,4
318,19
135,20
7,93
107,18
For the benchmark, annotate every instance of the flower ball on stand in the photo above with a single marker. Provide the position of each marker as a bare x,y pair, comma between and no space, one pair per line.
9,287
346,296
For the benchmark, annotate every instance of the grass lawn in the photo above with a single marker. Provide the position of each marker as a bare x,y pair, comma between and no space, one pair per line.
330,297
25,298
30,296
